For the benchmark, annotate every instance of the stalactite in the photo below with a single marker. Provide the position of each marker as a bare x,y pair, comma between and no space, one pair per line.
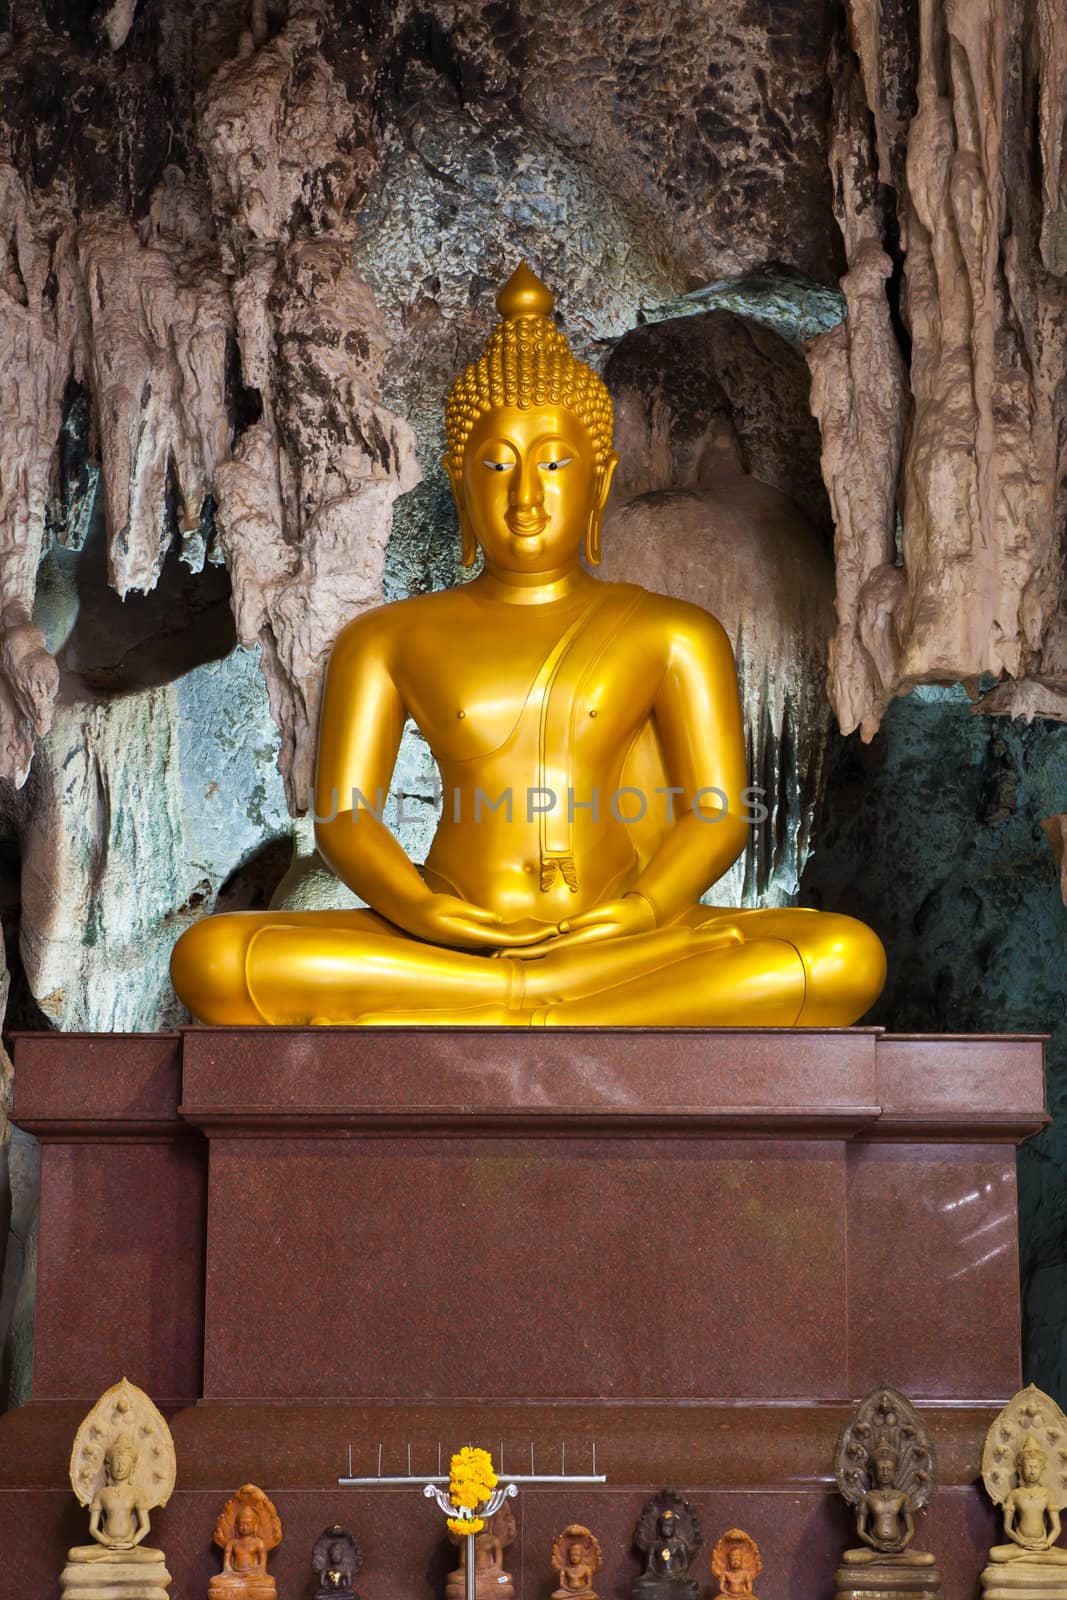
978,475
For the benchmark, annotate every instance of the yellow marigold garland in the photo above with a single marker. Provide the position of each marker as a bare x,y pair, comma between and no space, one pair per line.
471,1482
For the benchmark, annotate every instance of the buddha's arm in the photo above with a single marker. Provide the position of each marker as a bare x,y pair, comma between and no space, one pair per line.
143,1523
1009,1517
1054,1525
360,726
698,714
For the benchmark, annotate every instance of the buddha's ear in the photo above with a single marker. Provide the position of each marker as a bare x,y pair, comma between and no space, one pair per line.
604,479
601,490
468,543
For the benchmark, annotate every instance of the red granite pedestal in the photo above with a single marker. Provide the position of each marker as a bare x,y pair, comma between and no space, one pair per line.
696,1248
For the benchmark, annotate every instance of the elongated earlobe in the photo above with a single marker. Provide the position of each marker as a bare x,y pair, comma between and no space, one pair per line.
592,538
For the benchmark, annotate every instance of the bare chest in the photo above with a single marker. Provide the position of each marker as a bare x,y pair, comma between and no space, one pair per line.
541,684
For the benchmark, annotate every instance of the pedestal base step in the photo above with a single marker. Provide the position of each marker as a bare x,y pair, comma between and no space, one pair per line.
1024,1580
114,1580
895,1580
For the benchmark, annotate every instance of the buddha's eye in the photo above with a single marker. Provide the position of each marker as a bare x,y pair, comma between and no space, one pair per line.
498,466
554,466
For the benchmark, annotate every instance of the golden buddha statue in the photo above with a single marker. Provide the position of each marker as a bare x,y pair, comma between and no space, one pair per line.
590,745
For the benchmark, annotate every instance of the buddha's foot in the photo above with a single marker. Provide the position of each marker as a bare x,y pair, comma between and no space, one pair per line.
894,1558
1054,1556
451,1017
103,1552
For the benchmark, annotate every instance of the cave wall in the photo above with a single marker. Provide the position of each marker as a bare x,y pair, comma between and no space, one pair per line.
933,833
245,246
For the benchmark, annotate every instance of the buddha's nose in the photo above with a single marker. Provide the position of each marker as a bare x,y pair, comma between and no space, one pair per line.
528,493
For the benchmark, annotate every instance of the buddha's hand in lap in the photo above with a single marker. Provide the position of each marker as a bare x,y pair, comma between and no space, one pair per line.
613,920
446,919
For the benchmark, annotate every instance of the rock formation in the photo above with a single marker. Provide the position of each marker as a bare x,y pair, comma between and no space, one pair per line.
939,120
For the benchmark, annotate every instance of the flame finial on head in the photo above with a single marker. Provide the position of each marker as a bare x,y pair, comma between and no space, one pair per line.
527,362
524,295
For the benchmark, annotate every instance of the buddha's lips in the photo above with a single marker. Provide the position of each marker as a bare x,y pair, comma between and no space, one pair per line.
526,527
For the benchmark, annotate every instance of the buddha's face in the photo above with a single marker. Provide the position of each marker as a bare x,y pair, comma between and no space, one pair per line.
120,1463
1030,1466
736,1560
574,1555
527,486
246,1523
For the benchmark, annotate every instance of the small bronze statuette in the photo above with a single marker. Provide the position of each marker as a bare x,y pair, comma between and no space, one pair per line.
885,1468
336,1558
736,1563
576,1557
1025,1473
668,1534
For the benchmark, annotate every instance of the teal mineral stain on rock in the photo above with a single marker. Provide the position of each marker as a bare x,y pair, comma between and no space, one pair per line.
932,834
792,306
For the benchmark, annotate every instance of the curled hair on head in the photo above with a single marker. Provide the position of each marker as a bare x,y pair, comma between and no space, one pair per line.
528,362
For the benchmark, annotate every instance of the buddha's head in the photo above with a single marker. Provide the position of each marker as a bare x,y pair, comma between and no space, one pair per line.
736,1559
529,432
337,1554
575,1554
246,1522
884,1464
1031,1461
121,1459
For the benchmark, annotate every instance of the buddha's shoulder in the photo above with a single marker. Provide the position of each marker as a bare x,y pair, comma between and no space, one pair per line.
680,617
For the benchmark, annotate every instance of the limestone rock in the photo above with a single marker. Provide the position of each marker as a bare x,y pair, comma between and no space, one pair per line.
305,502
39,325
141,809
979,471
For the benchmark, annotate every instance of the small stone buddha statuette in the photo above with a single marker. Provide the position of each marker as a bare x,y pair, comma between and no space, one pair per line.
1024,1472
736,1563
668,1534
122,1467
489,1546
247,1530
336,1558
576,1557
886,1470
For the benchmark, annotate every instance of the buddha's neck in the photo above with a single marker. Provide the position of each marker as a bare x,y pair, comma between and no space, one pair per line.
531,588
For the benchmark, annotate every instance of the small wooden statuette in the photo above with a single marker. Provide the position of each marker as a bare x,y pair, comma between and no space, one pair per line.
736,1563
886,1470
121,1467
247,1530
576,1557
336,1558
1023,1469
489,1546
668,1535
